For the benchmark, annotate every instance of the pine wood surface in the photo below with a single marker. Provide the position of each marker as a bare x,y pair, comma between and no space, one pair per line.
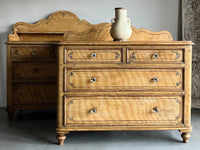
34,94
123,79
123,110
96,55
33,53
35,71
155,55
110,85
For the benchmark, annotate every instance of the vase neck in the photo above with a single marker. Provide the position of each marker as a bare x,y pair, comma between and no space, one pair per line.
121,14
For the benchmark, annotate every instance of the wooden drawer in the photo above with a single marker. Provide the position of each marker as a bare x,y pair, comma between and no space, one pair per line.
33,53
35,71
24,94
154,56
123,79
123,110
93,55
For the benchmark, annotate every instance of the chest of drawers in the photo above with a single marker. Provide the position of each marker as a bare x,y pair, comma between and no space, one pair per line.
124,86
141,84
31,76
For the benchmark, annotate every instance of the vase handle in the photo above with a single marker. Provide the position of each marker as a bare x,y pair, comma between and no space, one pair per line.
113,20
129,20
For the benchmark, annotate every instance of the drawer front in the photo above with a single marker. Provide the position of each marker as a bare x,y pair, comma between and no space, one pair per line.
123,79
123,110
93,55
24,94
154,55
33,53
35,71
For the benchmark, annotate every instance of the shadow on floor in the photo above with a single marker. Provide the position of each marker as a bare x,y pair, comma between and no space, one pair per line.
39,126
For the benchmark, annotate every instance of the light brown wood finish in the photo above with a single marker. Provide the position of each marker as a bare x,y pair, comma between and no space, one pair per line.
66,23
160,56
31,51
93,55
35,46
123,110
123,96
34,94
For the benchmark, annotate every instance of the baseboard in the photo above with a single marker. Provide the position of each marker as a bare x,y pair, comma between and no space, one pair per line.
2,102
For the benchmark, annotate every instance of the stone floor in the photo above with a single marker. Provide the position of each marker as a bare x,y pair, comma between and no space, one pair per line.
35,130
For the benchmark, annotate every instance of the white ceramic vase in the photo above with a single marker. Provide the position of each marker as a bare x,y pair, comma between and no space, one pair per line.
121,28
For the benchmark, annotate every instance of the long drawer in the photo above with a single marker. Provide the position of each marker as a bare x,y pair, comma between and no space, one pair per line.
33,53
123,79
35,71
26,94
123,110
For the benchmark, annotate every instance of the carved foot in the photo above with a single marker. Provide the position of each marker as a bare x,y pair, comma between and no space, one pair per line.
61,138
185,136
11,116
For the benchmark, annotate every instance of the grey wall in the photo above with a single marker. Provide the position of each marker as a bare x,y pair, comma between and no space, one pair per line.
154,15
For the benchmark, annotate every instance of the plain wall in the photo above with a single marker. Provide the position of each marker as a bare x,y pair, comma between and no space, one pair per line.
155,15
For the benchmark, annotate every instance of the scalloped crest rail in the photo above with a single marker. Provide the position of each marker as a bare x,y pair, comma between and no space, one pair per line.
64,25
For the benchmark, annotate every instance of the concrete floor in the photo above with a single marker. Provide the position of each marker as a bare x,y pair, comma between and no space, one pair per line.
35,130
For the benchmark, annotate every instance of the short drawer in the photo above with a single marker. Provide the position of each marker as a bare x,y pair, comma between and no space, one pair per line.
154,56
123,79
93,55
33,53
122,110
35,71
25,94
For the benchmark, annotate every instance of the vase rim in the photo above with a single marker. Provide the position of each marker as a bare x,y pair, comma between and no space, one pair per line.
121,8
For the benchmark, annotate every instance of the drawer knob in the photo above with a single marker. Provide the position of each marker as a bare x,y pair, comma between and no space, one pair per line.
93,80
92,111
155,110
34,53
155,79
93,55
155,55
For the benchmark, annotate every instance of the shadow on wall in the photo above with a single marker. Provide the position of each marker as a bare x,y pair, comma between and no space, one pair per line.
3,65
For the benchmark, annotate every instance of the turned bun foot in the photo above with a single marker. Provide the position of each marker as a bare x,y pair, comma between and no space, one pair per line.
61,138
185,136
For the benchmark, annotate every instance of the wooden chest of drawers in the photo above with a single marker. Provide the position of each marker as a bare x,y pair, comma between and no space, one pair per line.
141,84
124,86
31,76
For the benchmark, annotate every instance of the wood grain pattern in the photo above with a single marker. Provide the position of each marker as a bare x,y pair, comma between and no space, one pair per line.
154,56
33,64
123,88
123,110
93,55
123,79
35,71
34,94
31,79
33,53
